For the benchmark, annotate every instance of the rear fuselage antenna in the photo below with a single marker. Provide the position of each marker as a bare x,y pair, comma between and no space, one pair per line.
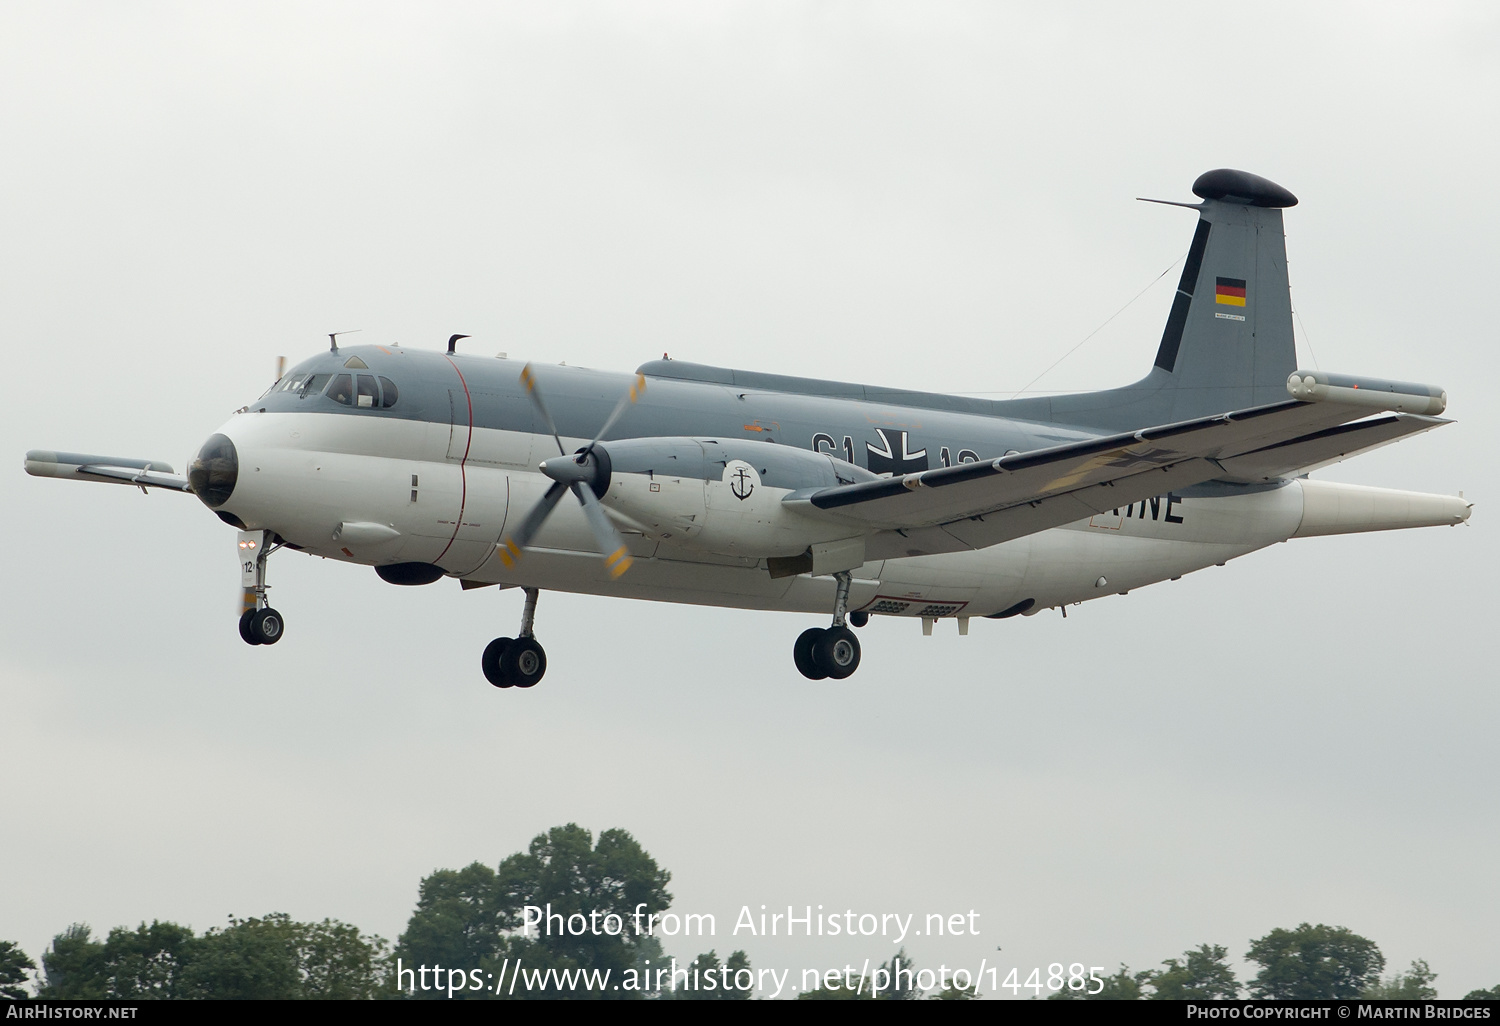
452,342
333,338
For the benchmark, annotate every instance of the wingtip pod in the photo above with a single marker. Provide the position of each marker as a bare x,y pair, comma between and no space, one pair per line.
1373,393
1330,507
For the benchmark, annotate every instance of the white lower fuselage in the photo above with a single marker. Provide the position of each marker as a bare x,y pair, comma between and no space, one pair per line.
448,499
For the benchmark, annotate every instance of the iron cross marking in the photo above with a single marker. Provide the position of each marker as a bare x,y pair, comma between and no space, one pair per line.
893,457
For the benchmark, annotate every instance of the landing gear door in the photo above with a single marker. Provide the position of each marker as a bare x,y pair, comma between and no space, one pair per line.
251,544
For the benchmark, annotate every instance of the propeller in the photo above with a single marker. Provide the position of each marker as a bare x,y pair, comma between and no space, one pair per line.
580,473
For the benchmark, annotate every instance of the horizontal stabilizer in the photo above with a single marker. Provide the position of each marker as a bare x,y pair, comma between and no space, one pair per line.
79,466
1308,453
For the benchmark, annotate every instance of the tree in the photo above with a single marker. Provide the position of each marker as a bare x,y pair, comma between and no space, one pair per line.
276,957
14,964
457,924
141,964
1413,985
1122,986
565,873
1314,963
713,981
73,968
901,979
472,919
1202,975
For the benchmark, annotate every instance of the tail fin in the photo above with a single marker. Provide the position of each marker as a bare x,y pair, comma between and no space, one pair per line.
1228,341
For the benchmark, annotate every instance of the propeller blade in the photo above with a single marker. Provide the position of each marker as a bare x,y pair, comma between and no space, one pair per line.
611,546
529,380
510,548
637,389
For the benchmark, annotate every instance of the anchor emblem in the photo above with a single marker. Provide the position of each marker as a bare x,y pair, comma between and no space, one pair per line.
740,485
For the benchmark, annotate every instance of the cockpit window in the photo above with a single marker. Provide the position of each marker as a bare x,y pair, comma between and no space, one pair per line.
367,393
388,392
311,385
342,389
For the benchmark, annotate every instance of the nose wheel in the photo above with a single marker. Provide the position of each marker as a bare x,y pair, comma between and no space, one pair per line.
516,662
259,623
261,626
830,652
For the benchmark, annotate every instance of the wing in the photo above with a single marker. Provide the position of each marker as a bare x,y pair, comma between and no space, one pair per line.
980,504
1321,448
79,466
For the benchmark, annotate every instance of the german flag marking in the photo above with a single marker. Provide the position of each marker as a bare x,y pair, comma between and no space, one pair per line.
1229,291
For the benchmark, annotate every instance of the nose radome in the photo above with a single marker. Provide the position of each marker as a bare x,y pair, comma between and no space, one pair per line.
215,471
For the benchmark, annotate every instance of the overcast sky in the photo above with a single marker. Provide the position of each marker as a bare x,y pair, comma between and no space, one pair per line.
930,195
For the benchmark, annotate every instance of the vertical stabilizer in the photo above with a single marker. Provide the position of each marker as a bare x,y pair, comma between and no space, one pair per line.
1228,342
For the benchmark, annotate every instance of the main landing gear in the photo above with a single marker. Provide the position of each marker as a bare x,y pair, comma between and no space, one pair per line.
823,652
259,623
516,662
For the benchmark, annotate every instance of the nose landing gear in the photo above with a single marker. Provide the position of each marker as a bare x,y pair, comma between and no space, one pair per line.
259,623
830,652
516,662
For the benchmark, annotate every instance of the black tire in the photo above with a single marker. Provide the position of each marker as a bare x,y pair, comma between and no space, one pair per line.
246,635
490,662
858,619
267,626
802,654
837,652
524,662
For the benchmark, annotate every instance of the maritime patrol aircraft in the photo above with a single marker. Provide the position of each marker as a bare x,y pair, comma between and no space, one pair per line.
698,484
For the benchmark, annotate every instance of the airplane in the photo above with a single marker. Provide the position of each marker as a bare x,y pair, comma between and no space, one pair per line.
696,484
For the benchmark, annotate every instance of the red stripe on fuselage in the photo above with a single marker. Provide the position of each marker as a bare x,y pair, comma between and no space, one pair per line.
463,475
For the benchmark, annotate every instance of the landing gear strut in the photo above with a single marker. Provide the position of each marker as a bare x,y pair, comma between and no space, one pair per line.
516,662
822,652
259,623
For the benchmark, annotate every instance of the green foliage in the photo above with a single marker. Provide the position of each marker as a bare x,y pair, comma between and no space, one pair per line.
277,958
273,957
1314,963
1122,986
839,992
142,964
14,964
1492,994
1413,985
899,977
1202,975
723,987
72,969
471,919
457,923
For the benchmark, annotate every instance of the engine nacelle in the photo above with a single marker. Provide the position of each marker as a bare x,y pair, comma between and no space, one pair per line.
722,496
